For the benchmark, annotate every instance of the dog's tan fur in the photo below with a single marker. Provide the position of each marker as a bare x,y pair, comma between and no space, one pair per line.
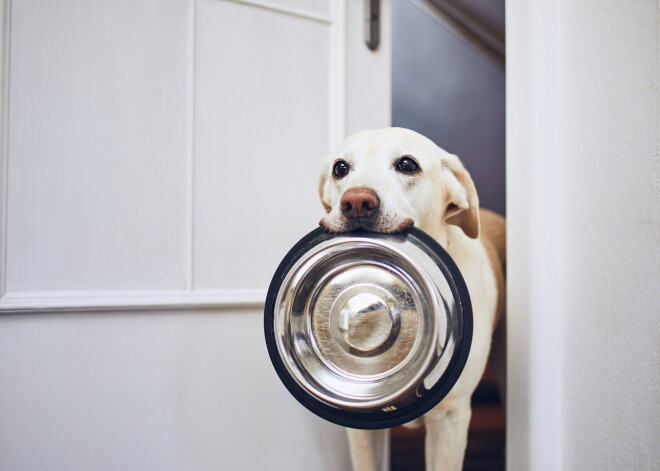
493,237
441,200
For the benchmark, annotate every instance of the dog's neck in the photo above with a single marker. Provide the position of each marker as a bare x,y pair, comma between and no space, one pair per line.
451,238
438,229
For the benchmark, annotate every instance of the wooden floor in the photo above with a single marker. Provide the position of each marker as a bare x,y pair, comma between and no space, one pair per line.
485,449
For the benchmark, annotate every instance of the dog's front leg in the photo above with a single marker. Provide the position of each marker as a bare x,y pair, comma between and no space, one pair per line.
369,449
446,437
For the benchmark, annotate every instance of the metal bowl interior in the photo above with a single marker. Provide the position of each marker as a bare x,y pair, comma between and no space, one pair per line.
367,330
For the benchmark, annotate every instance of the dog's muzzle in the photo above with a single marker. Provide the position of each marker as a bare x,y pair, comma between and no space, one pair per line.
368,330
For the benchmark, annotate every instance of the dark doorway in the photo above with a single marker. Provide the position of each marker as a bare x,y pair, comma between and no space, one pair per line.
448,83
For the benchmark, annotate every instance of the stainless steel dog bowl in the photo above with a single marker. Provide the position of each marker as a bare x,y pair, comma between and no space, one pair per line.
368,330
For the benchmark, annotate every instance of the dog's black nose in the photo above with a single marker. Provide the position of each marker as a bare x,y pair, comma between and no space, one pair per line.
359,203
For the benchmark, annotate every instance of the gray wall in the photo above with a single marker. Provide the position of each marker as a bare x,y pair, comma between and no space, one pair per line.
452,92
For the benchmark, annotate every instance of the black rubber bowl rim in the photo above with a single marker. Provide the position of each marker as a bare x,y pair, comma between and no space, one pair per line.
374,420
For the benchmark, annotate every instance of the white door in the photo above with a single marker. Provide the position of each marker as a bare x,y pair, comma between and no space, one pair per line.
158,159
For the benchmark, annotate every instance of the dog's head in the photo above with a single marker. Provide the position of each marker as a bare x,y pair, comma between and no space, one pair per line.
386,180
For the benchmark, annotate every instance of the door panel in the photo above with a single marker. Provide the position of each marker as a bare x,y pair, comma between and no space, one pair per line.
95,145
262,124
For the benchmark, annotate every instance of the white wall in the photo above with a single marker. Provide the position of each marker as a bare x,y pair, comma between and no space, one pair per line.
583,176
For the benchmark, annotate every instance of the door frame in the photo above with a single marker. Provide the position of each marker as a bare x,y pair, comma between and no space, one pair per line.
534,324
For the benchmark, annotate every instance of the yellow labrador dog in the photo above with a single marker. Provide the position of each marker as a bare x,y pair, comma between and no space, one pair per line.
386,180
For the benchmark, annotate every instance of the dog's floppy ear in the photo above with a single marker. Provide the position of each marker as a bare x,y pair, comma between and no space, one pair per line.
324,186
462,207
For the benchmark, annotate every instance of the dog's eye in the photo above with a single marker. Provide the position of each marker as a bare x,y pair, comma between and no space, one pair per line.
407,165
340,169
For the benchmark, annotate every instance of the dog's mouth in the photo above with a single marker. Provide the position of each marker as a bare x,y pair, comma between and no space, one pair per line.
384,223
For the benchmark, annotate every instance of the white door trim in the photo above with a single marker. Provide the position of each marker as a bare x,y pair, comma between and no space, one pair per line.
534,324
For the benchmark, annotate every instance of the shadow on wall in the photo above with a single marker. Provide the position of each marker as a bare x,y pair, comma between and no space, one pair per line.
446,87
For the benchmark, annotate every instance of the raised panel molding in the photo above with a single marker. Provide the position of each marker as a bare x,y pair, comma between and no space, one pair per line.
5,34
130,300
319,14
